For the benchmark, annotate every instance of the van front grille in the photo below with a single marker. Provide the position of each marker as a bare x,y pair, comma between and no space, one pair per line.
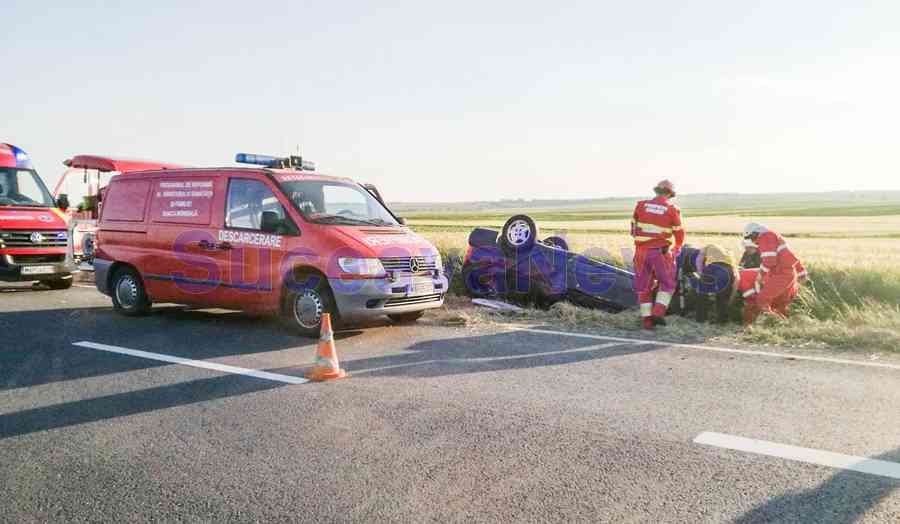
37,259
408,301
33,238
405,264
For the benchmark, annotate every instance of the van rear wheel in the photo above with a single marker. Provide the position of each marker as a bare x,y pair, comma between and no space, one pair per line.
128,295
305,304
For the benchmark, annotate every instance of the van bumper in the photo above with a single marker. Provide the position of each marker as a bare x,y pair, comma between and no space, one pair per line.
361,299
101,274
13,272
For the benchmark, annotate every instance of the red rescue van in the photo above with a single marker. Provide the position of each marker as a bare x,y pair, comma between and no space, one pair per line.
286,241
33,232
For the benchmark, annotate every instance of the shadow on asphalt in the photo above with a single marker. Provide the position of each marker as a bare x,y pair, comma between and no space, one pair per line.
843,498
39,350
131,403
494,352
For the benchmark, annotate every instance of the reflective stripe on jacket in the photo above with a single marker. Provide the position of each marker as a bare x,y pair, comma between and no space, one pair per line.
775,255
655,222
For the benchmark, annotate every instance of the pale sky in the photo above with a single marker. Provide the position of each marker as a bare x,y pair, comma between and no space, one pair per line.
444,101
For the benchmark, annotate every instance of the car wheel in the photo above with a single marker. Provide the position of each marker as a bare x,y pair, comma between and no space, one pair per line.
519,234
406,318
128,294
304,306
60,283
556,241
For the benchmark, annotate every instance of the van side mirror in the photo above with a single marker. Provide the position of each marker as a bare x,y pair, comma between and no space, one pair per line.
269,222
62,202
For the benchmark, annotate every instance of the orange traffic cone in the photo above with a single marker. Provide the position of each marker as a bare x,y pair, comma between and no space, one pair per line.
326,366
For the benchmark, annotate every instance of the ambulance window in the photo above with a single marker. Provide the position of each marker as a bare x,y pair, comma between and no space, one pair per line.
247,200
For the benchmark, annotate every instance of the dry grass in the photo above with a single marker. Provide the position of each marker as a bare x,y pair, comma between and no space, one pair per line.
807,226
864,253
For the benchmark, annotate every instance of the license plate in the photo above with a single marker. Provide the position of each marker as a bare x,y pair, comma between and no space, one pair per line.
38,270
422,287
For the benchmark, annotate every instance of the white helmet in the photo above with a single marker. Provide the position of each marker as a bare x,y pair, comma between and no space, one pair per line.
754,229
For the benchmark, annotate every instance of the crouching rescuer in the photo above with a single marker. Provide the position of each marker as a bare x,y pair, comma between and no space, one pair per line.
779,276
705,275
655,224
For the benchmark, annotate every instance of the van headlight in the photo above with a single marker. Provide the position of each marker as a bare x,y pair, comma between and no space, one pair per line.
438,263
361,266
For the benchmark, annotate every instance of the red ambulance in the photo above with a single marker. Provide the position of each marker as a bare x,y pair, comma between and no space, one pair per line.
33,232
279,239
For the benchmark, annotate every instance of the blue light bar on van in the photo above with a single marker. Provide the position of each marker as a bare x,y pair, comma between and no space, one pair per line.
259,160
290,162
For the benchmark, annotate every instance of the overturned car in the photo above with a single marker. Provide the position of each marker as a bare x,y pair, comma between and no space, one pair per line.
513,263
516,265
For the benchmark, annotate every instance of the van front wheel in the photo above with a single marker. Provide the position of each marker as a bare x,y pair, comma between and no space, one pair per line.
128,294
305,305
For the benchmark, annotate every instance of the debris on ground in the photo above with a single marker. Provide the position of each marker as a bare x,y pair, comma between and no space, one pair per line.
498,305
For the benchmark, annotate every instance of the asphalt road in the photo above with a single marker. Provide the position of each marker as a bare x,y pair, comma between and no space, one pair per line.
436,424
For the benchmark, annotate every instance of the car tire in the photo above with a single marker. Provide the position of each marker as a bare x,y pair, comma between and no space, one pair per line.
303,306
128,294
406,318
518,235
556,241
60,283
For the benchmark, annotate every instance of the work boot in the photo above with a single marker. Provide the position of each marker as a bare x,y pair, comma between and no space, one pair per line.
647,323
658,321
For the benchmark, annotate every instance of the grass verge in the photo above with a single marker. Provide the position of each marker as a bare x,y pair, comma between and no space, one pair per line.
849,309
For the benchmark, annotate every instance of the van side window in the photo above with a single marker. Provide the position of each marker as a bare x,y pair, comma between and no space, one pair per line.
252,205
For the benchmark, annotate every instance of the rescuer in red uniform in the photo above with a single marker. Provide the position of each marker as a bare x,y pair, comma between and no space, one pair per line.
655,223
780,274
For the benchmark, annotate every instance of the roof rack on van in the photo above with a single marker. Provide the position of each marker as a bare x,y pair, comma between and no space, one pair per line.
289,162
104,163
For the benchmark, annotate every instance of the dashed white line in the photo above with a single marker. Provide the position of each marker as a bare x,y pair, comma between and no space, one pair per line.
881,468
224,368
710,348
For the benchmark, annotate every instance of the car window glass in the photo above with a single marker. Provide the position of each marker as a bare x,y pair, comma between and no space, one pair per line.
247,200
344,200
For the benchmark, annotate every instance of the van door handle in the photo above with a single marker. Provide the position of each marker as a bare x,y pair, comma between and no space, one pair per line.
224,246
206,244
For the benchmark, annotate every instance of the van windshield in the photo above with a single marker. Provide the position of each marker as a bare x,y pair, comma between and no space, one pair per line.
326,202
23,187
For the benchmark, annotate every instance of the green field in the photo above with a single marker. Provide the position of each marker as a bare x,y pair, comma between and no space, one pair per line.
850,242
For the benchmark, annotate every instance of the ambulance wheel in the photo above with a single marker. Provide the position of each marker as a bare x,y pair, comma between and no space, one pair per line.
519,234
128,295
60,283
406,318
305,303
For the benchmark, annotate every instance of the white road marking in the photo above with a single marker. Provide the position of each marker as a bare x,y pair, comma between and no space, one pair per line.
881,468
224,368
485,359
711,348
